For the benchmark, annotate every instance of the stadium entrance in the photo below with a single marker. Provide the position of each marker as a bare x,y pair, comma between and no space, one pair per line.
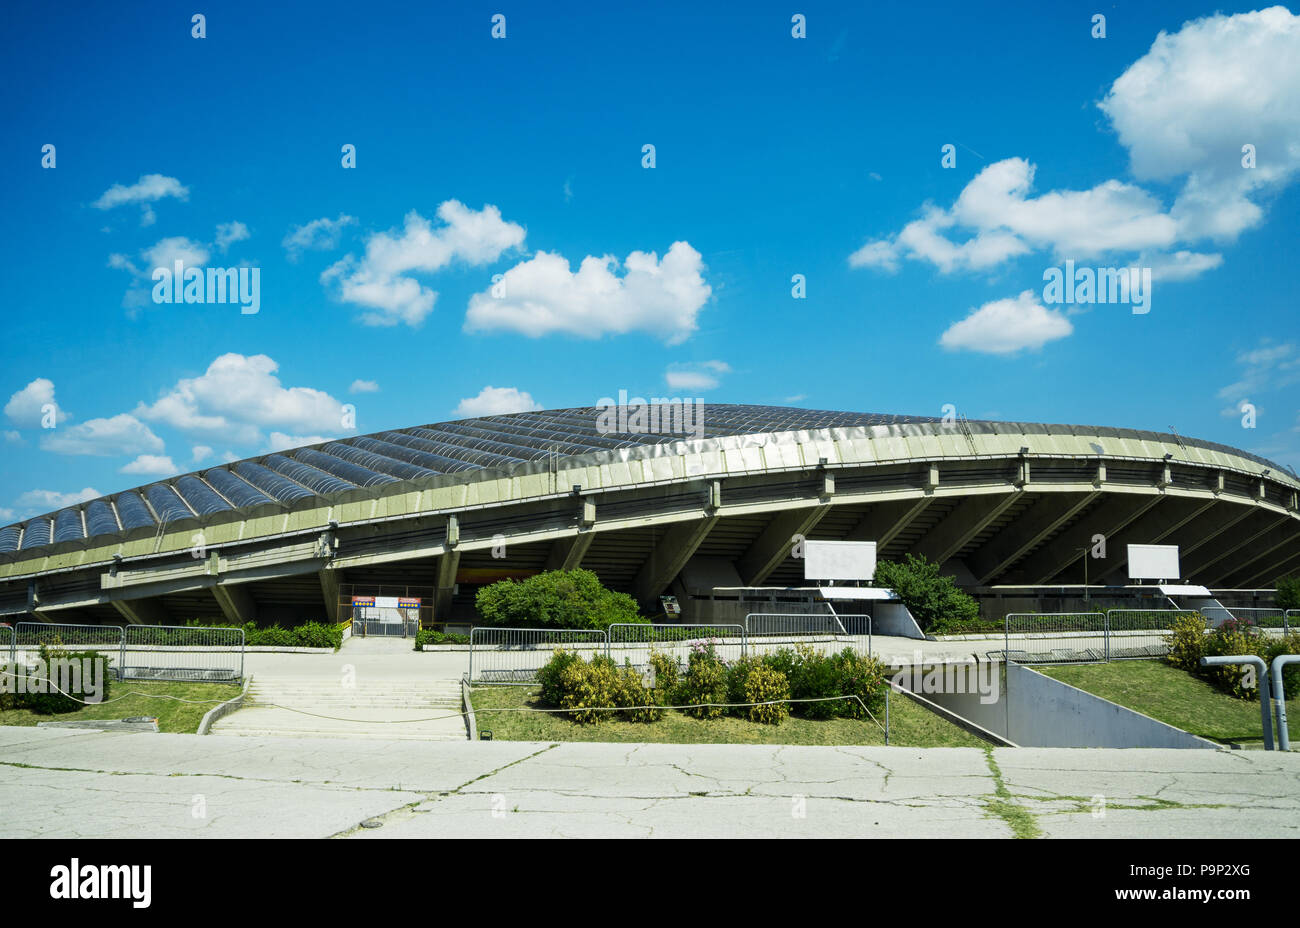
388,616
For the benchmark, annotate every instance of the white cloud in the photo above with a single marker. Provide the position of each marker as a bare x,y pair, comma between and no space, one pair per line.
1264,369
541,296
382,282
363,386
237,397
120,434
52,500
1186,108
702,376
279,441
24,408
1007,326
200,453
1183,110
152,464
230,232
149,188
497,401
14,437
318,235
177,248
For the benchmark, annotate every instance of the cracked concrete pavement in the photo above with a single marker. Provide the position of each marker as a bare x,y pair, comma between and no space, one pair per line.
69,783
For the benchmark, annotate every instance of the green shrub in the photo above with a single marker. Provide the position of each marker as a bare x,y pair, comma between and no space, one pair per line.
1291,674
816,677
1233,641
762,685
549,676
428,636
705,681
667,673
555,599
738,672
863,677
630,693
1187,642
318,635
274,636
585,688
934,600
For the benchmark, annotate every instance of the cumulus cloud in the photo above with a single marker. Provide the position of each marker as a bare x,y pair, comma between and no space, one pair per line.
702,376
151,464
1004,327
280,441
148,189
1183,111
230,232
167,251
382,280
237,397
1186,108
118,435
25,408
542,295
52,500
318,235
497,401
200,453
363,386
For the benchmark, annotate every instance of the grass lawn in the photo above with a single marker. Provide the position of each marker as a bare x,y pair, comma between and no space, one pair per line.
172,715
1173,696
910,726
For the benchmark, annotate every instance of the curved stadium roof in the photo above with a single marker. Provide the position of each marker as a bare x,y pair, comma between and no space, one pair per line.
491,444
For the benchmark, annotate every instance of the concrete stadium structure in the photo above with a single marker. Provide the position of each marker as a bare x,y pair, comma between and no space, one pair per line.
436,511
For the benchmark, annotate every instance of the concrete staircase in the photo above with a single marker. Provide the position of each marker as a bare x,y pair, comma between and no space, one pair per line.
379,709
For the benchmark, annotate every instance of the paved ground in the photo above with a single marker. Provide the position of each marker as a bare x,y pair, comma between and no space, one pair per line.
372,688
67,783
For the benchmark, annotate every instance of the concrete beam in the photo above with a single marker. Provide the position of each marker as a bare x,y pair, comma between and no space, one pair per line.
773,545
1212,526
1152,529
1280,565
884,521
445,585
677,546
236,602
141,611
567,553
1208,560
329,591
1109,519
1263,555
963,523
1049,512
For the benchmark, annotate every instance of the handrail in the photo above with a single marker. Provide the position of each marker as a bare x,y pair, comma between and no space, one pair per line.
1266,717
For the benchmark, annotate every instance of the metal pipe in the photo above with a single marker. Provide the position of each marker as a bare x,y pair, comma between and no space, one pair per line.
1279,698
1266,717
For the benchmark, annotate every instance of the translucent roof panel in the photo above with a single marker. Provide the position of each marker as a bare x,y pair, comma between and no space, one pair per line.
268,481
201,497
67,525
132,511
239,492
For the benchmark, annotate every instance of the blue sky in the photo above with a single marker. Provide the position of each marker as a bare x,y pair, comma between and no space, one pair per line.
517,158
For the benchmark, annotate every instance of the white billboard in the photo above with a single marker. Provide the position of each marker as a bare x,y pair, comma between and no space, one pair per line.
1153,562
839,560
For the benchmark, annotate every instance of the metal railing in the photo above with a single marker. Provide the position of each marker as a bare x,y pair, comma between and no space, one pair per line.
514,655
1056,637
766,632
175,652
632,642
1141,633
7,643
107,639
1259,617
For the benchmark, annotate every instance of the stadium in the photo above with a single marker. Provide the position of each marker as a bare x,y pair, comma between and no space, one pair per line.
711,515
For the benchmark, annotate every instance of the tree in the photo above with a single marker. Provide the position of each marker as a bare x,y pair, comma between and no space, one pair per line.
555,599
934,600
1288,592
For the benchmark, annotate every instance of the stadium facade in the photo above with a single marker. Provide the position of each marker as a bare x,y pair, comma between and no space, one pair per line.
710,515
